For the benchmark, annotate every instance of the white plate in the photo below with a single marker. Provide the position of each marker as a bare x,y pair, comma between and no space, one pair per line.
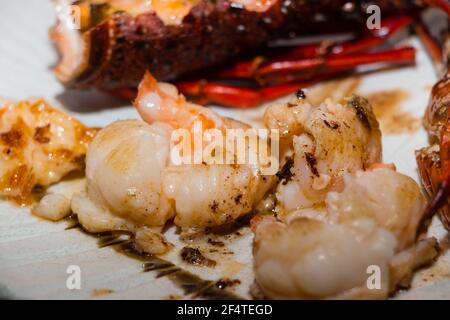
35,254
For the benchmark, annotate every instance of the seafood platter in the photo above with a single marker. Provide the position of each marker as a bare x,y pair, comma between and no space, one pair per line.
225,149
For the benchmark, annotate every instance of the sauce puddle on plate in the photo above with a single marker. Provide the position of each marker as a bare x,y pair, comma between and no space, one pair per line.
387,108
191,284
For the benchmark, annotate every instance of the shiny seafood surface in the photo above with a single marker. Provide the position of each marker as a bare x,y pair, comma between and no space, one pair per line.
39,146
371,223
133,183
320,144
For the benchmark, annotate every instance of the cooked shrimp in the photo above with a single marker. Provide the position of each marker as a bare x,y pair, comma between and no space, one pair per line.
52,207
94,218
369,223
203,195
130,173
39,145
161,102
212,195
391,199
123,172
320,145
55,203
311,259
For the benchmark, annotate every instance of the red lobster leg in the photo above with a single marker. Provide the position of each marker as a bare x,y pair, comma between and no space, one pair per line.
389,27
204,92
249,69
429,43
289,77
297,69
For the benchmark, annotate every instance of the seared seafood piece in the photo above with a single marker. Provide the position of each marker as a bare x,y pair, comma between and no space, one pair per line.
133,182
203,195
393,200
320,144
311,259
161,102
123,175
212,195
370,225
55,203
123,171
39,146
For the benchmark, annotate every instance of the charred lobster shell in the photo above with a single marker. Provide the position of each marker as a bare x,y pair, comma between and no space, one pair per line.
114,47
434,161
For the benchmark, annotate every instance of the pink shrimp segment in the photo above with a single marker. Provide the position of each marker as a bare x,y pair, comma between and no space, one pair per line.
161,102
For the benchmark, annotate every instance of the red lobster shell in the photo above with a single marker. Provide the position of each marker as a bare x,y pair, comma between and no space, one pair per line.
116,45
434,161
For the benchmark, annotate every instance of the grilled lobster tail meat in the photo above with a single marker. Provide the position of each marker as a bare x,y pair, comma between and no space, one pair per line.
120,39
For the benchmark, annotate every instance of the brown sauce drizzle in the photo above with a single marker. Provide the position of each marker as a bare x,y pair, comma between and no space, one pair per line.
387,106
224,283
191,284
312,163
216,243
357,104
195,256
285,174
331,124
